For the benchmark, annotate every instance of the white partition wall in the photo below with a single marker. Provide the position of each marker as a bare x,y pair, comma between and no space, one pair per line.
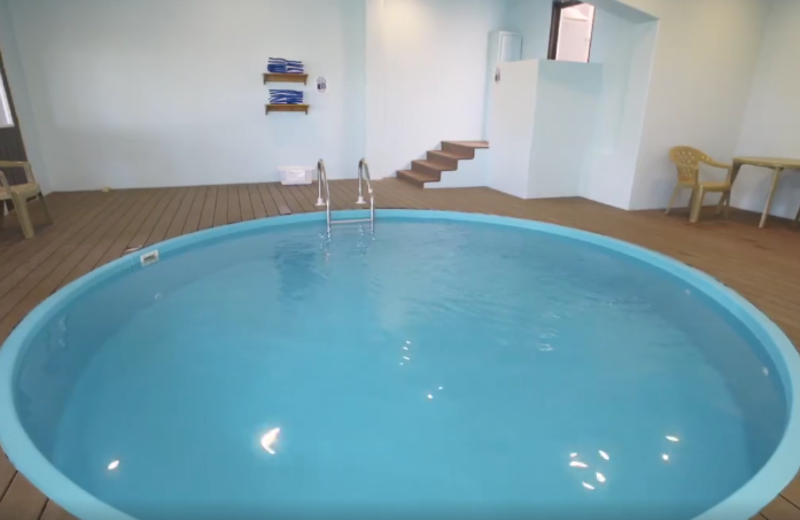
511,126
504,46
543,124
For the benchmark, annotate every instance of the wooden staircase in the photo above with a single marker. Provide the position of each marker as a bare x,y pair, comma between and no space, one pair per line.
438,161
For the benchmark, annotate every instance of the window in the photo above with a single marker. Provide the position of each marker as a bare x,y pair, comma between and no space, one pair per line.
571,31
6,119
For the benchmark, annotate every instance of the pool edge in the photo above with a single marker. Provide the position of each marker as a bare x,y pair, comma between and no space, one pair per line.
747,501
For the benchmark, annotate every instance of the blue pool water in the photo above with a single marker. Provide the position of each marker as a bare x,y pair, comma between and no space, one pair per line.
448,367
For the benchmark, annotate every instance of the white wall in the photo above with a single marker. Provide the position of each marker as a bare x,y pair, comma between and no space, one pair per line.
531,18
564,129
624,45
705,58
694,92
772,119
542,127
375,144
512,127
22,103
434,55
169,92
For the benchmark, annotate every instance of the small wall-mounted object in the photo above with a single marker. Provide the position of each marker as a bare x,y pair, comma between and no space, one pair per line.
285,78
287,108
322,85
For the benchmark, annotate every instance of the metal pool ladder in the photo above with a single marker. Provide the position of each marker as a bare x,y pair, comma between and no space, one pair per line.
363,175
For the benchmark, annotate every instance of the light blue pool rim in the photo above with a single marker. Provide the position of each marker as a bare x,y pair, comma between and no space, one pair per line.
745,503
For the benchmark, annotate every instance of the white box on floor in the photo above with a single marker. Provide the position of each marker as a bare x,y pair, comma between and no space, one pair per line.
296,174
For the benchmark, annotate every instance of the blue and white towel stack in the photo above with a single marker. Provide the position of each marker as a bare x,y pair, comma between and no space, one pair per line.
282,66
295,67
277,66
285,97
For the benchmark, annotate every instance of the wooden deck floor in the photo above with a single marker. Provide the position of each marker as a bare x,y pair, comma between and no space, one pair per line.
92,228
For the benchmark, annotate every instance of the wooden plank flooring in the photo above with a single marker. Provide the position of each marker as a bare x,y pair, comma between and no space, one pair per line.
93,228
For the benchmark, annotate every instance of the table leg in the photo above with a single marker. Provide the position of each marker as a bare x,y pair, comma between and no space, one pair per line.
697,204
735,171
725,201
775,177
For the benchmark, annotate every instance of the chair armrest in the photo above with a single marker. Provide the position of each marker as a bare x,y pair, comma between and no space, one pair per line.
4,182
20,164
716,164
14,164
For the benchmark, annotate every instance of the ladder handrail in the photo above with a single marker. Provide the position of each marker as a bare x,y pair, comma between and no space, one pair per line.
322,176
363,173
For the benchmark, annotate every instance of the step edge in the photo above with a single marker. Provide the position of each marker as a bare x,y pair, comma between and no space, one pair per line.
434,165
452,155
469,144
426,177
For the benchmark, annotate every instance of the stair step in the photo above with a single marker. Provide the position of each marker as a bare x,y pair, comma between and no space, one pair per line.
416,178
471,144
449,158
464,148
432,168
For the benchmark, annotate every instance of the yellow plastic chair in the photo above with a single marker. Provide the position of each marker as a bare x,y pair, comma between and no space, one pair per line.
20,194
688,160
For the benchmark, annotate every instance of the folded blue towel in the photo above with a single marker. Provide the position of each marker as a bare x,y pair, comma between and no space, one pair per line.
276,65
283,66
285,97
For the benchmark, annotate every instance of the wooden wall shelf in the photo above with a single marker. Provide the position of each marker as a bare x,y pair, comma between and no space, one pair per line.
285,78
287,108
